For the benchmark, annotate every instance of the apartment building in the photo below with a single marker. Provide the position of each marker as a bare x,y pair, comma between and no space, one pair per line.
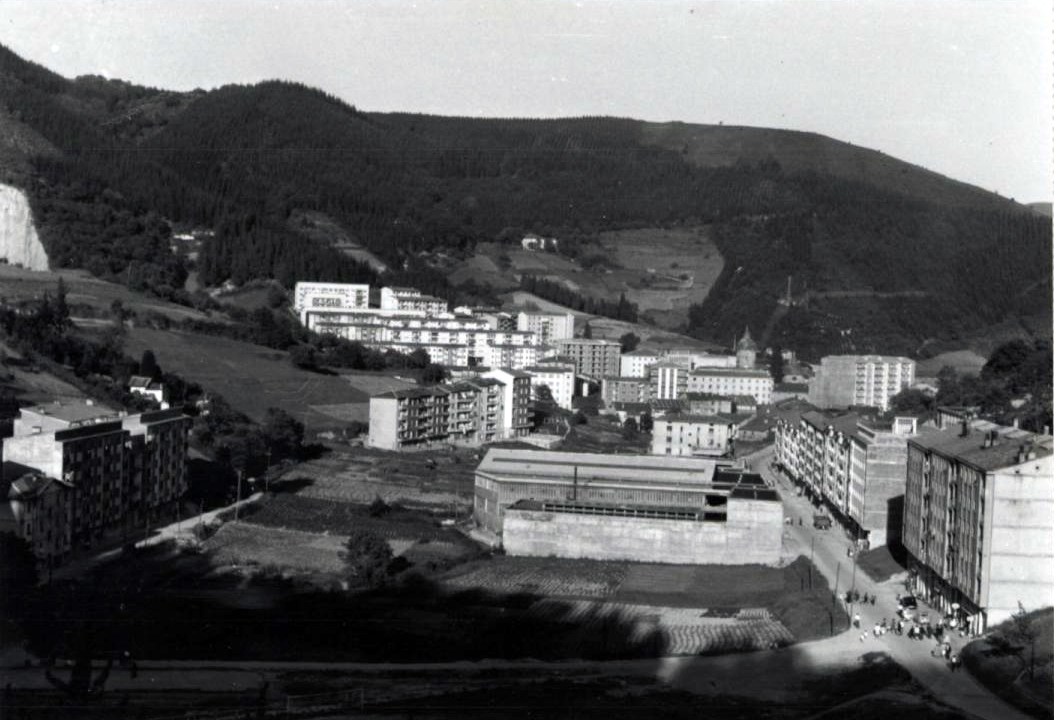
977,521
878,467
516,399
558,377
732,381
625,390
78,470
844,381
635,363
594,359
549,327
404,298
685,435
854,463
329,296
669,379
468,412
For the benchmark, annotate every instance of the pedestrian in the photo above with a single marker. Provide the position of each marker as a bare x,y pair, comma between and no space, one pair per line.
900,627
898,598
876,630
873,599
863,636
856,620
799,522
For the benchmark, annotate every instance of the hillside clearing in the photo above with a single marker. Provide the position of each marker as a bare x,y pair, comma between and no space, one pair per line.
250,377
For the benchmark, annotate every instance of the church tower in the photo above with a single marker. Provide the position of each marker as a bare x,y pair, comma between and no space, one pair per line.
746,351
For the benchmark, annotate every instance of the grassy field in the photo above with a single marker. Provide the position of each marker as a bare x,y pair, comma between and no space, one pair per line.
251,378
603,434
83,289
1006,672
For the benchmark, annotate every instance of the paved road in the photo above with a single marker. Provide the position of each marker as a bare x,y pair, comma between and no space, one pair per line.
828,548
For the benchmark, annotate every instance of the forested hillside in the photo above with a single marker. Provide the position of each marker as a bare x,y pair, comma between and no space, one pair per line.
879,253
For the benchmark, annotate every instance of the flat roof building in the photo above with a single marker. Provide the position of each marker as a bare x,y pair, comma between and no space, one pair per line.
647,508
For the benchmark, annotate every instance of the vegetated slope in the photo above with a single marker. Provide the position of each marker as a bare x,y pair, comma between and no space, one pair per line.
795,151
899,255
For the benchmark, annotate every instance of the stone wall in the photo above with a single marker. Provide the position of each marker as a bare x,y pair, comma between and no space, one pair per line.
680,542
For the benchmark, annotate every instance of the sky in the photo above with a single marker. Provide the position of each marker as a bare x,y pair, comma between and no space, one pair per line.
962,87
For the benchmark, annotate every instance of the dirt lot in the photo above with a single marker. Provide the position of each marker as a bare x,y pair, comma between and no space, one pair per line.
251,378
438,483
245,544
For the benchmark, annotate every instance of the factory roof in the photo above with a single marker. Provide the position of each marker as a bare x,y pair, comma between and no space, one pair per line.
591,467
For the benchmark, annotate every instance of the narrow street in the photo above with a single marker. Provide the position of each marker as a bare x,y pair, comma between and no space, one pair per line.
828,550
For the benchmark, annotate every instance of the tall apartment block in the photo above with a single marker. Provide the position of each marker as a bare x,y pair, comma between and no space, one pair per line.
77,470
549,327
844,381
977,521
593,358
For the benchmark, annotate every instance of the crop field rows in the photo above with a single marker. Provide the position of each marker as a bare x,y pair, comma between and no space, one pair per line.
685,631
585,579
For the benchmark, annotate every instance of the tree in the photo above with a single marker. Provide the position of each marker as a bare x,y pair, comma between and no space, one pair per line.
912,401
646,423
283,433
419,358
367,558
776,366
148,365
587,332
433,374
303,356
630,430
18,571
1023,633
543,394
629,342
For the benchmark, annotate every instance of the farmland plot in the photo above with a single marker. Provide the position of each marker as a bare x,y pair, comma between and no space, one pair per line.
249,544
684,631
541,576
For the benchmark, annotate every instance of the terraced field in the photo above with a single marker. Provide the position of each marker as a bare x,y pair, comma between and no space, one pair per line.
684,631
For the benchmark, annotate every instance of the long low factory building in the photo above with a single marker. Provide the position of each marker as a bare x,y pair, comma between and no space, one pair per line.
627,507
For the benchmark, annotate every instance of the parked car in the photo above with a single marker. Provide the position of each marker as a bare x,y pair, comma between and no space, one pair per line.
821,522
908,607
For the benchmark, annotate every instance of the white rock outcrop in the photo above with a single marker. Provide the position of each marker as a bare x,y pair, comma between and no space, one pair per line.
19,242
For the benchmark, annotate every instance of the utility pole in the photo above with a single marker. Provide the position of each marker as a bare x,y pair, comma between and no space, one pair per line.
238,494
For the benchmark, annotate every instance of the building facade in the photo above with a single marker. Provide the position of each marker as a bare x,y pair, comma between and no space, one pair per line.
625,390
844,381
549,327
732,381
693,435
619,507
635,363
977,521
516,400
404,298
329,296
594,359
77,471
559,378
